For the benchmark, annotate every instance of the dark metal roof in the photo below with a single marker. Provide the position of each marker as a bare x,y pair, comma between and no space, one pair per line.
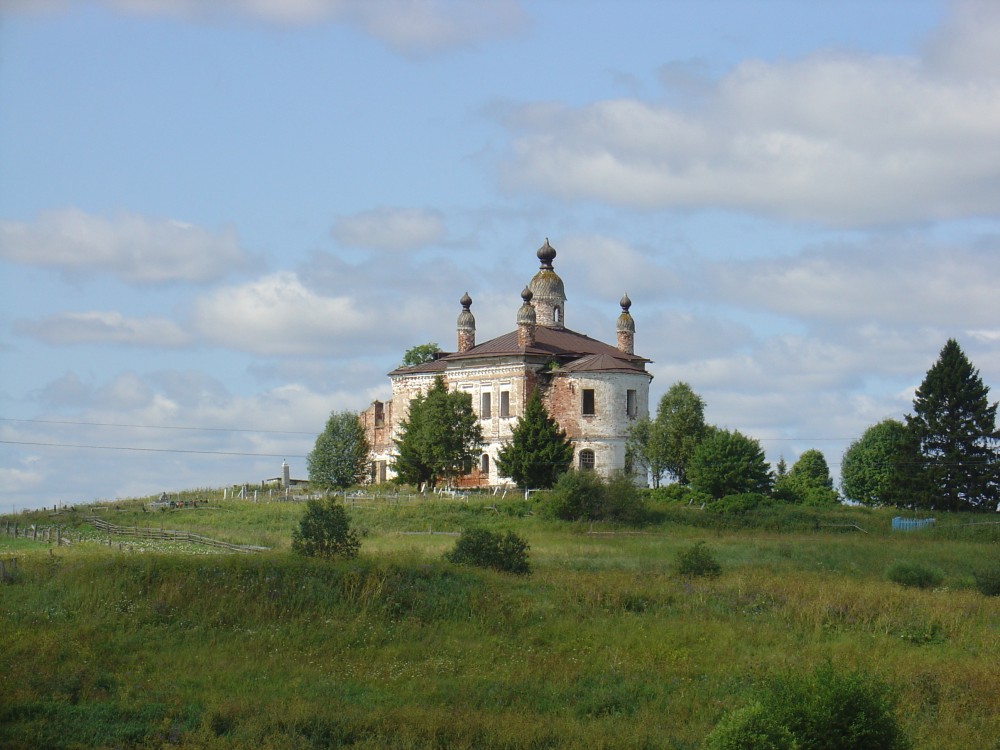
558,343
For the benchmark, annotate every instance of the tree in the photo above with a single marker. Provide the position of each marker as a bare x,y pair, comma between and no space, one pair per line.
729,463
667,444
340,456
808,483
325,531
954,426
867,471
439,439
417,355
644,450
538,451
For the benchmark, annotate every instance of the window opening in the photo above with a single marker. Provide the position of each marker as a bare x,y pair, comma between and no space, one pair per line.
589,406
631,403
504,404
484,465
486,412
587,459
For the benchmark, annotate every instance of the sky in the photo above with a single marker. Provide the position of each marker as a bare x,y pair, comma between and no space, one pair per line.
220,222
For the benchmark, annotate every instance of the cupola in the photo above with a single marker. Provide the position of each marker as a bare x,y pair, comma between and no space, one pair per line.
549,294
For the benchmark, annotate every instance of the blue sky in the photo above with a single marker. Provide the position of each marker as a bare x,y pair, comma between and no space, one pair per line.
221,221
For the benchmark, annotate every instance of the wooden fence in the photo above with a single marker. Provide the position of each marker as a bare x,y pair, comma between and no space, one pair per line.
143,532
51,534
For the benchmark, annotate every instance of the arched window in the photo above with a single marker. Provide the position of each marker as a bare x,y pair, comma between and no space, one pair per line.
484,464
587,459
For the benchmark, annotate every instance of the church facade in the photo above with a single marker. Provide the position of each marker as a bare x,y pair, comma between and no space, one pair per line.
594,390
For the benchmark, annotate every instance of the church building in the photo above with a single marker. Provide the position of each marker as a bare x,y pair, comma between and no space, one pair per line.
595,391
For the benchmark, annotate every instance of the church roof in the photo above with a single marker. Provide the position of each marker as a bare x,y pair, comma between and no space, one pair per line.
574,351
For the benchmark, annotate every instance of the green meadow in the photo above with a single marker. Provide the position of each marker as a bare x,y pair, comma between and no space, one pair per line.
118,642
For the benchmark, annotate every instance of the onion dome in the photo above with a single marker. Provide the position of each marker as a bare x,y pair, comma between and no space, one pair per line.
625,321
466,318
548,290
526,313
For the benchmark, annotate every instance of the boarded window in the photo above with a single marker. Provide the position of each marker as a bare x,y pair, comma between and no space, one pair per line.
631,403
486,410
587,459
589,405
504,404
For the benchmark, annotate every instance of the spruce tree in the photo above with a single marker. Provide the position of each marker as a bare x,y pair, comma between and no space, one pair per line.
440,437
538,451
954,428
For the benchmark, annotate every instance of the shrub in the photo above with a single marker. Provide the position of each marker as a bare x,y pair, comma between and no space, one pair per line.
697,561
738,504
827,710
325,531
486,549
914,575
988,581
830,710
584,496
750,727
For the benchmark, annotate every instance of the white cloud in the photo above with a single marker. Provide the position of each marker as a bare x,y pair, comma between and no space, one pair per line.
390,229
133,248
97,327
410,27
842,139
889,281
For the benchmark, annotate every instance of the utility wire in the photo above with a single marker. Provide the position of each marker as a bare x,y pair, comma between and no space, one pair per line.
156,427
149,450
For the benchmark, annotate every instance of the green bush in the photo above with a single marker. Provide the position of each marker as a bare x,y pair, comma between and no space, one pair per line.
486,549
750,728
585,496
988,581
827,710
914,575
737,504
697,561
325,531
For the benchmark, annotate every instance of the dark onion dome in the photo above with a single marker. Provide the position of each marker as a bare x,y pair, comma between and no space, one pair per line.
546,253
526,313
466,320
625,322
546,284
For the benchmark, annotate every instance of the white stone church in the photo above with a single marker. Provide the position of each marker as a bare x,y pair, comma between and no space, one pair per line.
594,390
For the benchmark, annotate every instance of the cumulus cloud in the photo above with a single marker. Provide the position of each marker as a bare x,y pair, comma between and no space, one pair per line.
842,139
409,27
390,229
133,248
890,281
98,327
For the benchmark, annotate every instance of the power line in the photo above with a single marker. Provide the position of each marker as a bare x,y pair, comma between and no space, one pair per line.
149,450
156,427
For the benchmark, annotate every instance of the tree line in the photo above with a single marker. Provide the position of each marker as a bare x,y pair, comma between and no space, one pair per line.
944,456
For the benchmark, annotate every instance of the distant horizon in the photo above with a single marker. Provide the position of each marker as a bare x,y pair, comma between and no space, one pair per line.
219,223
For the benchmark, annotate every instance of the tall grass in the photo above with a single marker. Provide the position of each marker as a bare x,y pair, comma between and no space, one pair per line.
603,646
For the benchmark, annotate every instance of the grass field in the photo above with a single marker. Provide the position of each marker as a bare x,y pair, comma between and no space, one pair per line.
156,644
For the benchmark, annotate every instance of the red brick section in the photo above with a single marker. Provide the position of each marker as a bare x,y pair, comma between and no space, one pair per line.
564,406
466,340
626,342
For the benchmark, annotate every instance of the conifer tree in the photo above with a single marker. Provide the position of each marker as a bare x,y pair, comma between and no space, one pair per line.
538,451
954,428
440,438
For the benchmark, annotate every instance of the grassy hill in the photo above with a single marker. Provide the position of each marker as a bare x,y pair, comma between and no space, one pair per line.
116,641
